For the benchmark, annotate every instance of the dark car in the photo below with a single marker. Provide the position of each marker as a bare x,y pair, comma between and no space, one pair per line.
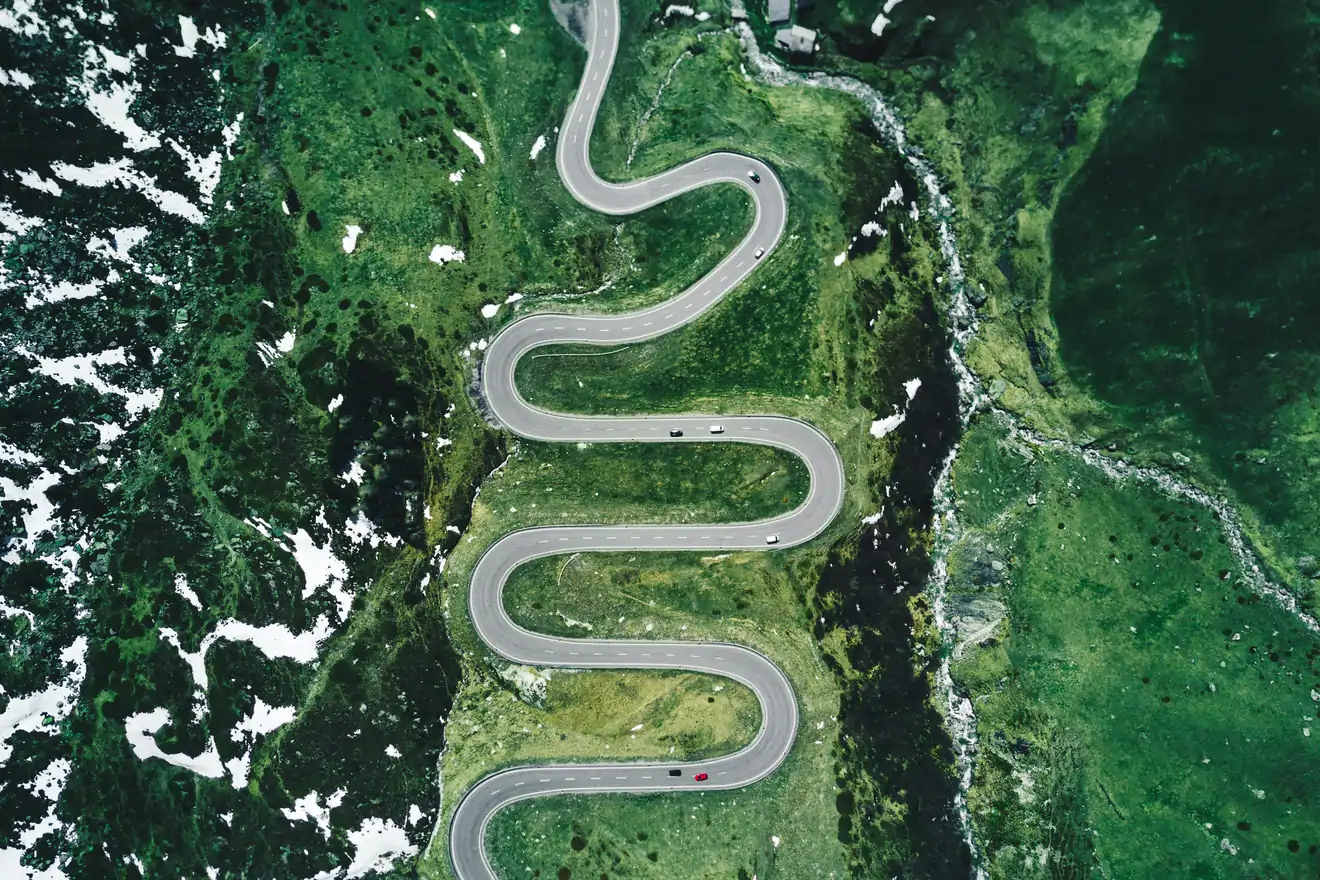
756,178
675,433
675,772
701,777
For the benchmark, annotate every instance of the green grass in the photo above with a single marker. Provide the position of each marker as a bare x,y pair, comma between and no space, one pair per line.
681,596
659,595
644,482
761,592
1138,705
708,836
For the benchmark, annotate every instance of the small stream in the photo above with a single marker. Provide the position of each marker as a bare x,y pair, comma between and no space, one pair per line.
962,326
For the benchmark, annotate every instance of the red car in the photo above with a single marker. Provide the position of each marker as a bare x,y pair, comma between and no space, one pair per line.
701,777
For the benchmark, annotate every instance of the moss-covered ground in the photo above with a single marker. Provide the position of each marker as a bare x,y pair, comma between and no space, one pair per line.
1140,711
1110,170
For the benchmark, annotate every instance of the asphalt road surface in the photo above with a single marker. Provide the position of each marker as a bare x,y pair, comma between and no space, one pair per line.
779,711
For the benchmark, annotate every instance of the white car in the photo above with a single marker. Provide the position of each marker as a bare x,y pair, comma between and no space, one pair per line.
760,252
773,539
717,429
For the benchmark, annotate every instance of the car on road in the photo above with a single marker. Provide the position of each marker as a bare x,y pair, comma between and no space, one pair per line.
701,777
772,539
675,772
717,429
675,433
760,252
756,178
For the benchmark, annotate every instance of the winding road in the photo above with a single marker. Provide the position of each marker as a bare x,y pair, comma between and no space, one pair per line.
779,711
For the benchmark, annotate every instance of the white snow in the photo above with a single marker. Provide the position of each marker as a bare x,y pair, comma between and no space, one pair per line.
878,26
513,298
308,807
354,474
774,840
446,253
430,12
35,180
43,290
213,37
472,144
873,228
140,728
881,427
336,403
40,518
83,368
361,529
884,426
415,814
22,20
893,197
456,176
489,310
515,30
264,719
838,260
29,713
15,223
393,752
275,640
181,587
201,170
679,10
109,100
889,5
122,173
321,568
350,239
538,146
379,842
124,241
15,78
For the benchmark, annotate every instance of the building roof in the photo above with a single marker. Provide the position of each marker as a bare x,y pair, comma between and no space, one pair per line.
777,11
796,39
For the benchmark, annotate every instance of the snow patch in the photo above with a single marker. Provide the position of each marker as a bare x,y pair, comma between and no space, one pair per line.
489,310
141,728
83,368
446,253
16,78
379,842
472,144
190,596
308,807
350,238
41,709
263,720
